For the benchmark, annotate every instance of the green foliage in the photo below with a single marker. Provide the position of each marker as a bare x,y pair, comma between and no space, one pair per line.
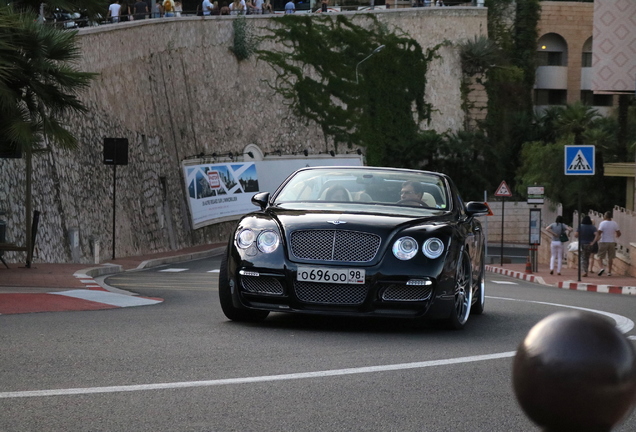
244,39
92,8
466,158
38,83
512,26
542,161
478,55
328,72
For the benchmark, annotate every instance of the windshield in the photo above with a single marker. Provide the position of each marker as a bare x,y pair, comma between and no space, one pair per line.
365,187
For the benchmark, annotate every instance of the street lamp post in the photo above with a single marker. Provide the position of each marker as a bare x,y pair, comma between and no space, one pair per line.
375,51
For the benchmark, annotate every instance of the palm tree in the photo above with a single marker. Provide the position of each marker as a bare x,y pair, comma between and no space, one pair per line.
38,87
576,119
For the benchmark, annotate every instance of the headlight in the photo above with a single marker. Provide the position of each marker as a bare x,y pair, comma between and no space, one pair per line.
433,248
245,238
267,241
405,248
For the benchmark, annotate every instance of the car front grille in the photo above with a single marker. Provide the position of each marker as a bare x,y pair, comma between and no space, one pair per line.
336,294
262,285
406,293
334,245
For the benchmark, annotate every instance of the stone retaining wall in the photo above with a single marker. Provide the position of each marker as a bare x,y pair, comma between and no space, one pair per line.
174,89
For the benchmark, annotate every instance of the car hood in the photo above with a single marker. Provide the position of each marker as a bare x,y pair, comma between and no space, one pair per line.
381,224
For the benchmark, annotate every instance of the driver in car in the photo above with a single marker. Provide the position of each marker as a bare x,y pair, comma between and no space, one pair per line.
413,193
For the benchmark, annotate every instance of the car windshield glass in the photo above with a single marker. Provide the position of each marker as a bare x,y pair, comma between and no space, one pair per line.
365,187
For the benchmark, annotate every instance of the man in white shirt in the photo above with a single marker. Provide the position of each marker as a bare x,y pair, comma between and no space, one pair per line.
606,236
113,11
290,7
258,7
207,7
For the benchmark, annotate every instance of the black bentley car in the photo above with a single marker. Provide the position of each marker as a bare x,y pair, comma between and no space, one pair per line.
359,241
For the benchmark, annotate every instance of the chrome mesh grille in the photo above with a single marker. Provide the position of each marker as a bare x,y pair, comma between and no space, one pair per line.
406,293
343,294
261,285
334,245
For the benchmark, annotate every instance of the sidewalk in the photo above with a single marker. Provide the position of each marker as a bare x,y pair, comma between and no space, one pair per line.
71,287
615,284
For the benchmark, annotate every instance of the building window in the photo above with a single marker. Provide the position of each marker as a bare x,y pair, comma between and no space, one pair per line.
550,58
600,100
550,97
586,59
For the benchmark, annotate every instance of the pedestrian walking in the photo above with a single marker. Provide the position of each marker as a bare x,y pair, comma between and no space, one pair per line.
559,232
607,234
586,233
114,11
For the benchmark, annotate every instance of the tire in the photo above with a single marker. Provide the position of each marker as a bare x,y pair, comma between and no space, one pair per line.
463,293
480,293
225,298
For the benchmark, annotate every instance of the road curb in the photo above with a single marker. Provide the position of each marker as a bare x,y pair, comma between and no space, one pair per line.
516,274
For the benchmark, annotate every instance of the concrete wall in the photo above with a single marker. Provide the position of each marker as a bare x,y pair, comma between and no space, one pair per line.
174,89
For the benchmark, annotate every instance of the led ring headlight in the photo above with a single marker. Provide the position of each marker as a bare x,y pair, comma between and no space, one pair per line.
433,248
405,248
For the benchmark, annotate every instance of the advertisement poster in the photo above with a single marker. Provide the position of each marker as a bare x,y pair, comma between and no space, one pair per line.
218,192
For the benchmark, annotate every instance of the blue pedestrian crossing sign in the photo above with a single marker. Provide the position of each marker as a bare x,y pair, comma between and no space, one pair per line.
579,160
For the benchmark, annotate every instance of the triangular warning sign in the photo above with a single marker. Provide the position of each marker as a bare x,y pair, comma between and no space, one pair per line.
579,163
503,190
490,213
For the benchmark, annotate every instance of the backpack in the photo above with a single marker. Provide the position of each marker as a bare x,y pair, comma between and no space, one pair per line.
167,6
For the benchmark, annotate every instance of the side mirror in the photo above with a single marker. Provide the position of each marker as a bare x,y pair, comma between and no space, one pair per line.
476,208
261,200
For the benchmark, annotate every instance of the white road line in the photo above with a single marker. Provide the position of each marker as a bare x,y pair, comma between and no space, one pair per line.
623,324
504,282
173,270
266,378
107,297
214,271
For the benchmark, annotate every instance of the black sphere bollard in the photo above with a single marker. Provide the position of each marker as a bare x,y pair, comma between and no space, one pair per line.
575,371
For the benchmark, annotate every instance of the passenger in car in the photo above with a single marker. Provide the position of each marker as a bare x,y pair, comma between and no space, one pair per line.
337,193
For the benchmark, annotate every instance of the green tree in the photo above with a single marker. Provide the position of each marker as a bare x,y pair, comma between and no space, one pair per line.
542,161
92,8
331,71
512,26
38,86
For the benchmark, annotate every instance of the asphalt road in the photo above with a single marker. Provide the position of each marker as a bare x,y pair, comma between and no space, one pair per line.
182,366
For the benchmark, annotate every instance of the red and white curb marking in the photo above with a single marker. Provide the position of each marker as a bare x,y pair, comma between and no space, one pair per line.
93,297
610,289
89,282
516,274
571,285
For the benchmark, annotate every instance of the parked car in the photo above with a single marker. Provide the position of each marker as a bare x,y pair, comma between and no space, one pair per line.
350,241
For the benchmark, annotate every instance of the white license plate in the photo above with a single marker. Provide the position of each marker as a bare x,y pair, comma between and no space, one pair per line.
329,275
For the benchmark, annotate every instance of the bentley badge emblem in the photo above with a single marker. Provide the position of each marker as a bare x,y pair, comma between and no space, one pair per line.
337,222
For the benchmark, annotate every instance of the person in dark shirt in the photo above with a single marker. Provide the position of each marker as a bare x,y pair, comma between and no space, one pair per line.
141,10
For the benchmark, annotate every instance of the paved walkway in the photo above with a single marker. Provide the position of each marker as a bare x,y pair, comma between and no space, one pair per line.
71,287
568,279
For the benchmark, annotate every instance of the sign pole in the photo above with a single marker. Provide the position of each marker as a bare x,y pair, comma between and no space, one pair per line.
579,160
502,191
503,201
114,202
579,230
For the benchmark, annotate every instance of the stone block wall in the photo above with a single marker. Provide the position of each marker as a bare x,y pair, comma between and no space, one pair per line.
174,89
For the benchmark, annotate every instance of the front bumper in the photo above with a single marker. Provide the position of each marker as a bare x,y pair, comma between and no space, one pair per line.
384,293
